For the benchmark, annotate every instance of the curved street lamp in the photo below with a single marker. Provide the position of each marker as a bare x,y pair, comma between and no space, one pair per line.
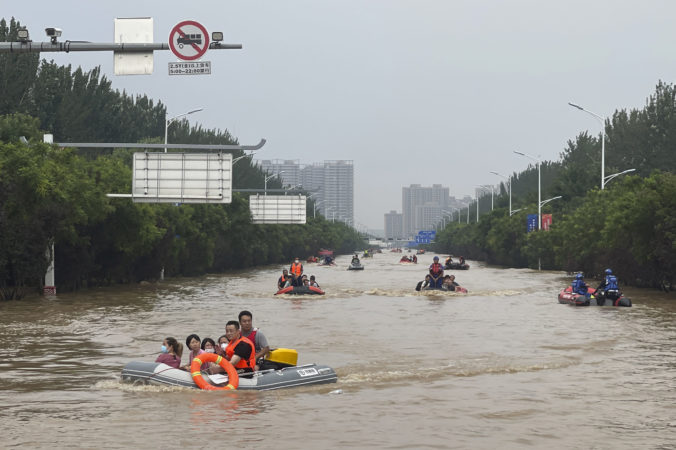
544,202
603,140
242,157
478,188
168,121
610,177
265,188
509,182
539,186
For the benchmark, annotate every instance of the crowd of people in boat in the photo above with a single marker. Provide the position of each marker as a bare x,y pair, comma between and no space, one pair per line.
608,289
242,344
294,276
436,279
411,259
450,264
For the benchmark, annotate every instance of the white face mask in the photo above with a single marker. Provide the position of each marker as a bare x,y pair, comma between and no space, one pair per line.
224,346
209,350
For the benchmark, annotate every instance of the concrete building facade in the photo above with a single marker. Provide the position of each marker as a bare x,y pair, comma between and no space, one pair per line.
394,226
422,207
331,184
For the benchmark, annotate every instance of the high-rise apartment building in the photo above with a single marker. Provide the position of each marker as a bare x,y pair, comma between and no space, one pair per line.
422,207
394,226
331,184
289,170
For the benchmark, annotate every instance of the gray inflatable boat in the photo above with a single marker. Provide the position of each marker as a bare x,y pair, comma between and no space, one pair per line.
139,372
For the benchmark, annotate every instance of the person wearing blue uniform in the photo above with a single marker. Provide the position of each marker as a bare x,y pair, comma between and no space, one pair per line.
579,286
609,287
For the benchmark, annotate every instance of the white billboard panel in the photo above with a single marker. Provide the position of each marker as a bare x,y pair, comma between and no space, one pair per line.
278,209
133,30
182,178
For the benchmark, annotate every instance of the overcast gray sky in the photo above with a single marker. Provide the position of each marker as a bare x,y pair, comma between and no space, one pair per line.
413,91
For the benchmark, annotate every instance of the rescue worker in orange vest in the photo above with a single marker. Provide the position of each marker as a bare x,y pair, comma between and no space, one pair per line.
296,270
240,351
284,280
436,273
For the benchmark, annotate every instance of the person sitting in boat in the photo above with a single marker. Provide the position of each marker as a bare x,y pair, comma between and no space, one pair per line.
414,259
194,343
579,286
436,273
172,350
208,345
426,282
284,280
355,259
328,260
604,283
449,283
313,282
296,270
609,287
254,335
240,351
461,260
222,345
449,261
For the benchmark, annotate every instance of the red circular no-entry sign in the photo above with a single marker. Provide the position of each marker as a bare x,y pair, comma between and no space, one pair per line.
189,40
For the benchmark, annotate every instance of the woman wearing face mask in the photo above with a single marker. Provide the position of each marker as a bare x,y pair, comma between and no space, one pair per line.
209,346
222,345
172,350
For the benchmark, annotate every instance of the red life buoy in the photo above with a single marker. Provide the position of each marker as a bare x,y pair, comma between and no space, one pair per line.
233,378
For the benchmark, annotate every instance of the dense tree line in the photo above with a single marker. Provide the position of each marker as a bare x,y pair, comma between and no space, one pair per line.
629,226
50,195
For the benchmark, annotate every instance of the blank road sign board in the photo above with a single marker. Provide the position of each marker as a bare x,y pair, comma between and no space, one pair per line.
182,178
278,209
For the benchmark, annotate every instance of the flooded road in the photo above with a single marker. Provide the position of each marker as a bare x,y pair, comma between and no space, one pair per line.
503,366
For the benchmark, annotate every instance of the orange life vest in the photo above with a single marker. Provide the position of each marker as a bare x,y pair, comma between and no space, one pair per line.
297,268
242,363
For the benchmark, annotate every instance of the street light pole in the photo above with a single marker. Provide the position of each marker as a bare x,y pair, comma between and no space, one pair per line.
603,140
265,187
539,187
242,157
168,121
477,188
314,214
610,177
509,182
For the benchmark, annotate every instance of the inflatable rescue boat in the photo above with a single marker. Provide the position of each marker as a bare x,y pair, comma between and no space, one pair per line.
286,375
571,298
300,290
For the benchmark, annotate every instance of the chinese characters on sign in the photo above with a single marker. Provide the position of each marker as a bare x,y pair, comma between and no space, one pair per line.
532,223
546,221
190,68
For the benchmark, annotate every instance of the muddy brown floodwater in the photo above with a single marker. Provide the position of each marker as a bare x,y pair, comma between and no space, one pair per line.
504,366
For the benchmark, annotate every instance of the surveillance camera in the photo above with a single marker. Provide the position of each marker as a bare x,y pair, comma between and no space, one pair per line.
53,32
